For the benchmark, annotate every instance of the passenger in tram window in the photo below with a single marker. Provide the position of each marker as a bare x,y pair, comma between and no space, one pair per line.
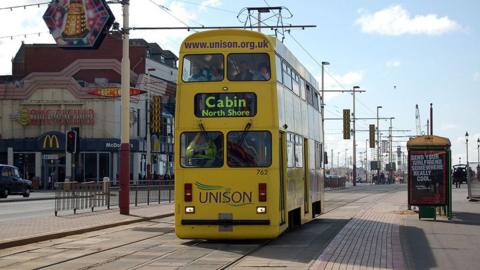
201,151
244,73
197,74
262,74
216,73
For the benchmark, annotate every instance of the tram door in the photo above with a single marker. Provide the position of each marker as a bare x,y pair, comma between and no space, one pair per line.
281,148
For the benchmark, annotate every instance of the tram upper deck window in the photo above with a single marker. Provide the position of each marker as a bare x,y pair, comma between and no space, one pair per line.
203,68
201,149
248,67
249,149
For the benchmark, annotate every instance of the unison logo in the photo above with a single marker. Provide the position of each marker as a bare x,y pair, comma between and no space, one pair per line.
223,195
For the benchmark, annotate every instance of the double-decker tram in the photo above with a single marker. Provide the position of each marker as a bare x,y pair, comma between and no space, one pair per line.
248,133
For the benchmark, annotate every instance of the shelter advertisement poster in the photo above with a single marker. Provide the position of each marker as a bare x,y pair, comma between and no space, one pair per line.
427,176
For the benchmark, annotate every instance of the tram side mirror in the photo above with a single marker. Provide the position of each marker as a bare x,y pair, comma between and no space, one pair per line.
325,157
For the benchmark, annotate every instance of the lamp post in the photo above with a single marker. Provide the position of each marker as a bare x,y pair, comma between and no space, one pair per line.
322,106
338,160
124,200
478,159
366,161
346,164
354,166
378,145
468,169
149,142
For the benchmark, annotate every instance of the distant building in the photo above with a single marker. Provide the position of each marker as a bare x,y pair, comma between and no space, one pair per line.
51,90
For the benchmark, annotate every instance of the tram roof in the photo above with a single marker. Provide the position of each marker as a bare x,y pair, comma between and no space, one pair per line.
286,54
429,140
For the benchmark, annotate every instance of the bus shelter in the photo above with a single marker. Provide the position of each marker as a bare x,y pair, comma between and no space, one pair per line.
429,175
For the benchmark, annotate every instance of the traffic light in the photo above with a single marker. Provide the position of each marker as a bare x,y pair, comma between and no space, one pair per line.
346,124
371,130
71,143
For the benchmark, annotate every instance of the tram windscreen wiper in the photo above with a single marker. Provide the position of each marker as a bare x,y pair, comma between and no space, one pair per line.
202,129
244,133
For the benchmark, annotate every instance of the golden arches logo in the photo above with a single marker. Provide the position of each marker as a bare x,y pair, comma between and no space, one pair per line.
52,141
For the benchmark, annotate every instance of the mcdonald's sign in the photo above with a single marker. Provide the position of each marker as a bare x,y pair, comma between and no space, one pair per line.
50,142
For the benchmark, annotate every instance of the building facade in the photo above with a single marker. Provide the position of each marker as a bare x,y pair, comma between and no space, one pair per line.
53,90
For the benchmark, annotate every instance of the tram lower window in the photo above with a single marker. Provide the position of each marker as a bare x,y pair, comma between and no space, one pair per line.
248,67
201,149
202,68
249,149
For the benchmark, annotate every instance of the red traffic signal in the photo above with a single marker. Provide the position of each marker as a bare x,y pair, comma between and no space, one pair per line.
71,144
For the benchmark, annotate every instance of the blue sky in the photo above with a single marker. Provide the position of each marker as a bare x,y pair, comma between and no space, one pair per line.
428,49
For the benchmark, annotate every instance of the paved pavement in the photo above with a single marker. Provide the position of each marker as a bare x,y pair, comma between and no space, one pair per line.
28,230
371,238
365,227
444,244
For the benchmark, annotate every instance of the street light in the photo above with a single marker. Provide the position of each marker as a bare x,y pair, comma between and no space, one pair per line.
124,195
346,164
468,169
322,106
354,171
149,143
378,145
478,158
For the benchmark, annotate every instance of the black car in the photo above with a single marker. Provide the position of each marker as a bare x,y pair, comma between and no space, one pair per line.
460,173
11,183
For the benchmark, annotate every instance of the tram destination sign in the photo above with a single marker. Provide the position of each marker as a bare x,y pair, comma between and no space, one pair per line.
427,177
225,105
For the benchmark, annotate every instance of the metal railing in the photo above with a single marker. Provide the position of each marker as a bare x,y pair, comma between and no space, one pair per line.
145,192
77,196
90,195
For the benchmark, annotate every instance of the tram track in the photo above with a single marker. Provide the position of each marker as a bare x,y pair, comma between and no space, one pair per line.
168,228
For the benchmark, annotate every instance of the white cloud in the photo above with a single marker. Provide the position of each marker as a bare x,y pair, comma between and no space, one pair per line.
476,76
396,21
210,3
392,63
340,82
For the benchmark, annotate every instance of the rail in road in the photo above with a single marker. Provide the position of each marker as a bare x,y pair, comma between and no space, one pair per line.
153,244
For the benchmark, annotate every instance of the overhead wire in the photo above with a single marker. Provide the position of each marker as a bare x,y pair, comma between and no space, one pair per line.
206,6
168,11
11,8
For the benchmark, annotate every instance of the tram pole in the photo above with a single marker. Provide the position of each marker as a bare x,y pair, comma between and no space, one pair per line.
378,146
322,107
124,195
354,171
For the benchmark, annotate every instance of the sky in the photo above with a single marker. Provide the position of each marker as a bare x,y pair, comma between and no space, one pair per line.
402,53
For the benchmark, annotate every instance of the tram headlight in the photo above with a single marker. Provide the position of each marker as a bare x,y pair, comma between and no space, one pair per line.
261,209
189,209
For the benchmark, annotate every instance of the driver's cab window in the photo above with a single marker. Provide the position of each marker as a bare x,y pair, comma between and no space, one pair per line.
201,149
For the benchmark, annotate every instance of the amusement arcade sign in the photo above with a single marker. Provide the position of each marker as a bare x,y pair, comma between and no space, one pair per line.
82,117
78,23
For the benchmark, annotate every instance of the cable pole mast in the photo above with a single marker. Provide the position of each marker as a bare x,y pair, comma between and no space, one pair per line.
252,18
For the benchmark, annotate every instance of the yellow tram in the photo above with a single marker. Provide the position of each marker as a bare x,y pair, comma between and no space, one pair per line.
248,134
